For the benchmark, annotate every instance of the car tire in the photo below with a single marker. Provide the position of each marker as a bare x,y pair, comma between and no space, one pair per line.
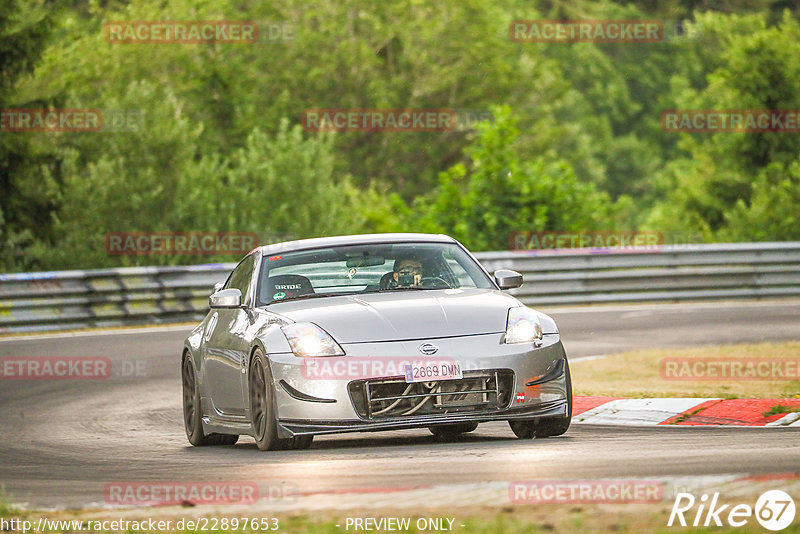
192,416
547,426
555,426
523,429
262,405
450,432
299,442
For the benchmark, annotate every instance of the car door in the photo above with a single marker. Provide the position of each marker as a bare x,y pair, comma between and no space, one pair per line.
226,348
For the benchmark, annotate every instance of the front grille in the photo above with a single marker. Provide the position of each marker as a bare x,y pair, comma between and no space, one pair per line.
478,391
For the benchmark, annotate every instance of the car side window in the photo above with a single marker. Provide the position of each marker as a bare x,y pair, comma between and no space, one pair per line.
241,275
457,275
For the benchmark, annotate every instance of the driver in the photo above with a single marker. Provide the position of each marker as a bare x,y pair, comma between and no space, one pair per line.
407,273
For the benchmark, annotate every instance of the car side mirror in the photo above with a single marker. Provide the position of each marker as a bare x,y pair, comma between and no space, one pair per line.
226,298
507,279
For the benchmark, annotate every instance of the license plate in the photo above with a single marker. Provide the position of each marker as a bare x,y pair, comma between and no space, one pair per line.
428,371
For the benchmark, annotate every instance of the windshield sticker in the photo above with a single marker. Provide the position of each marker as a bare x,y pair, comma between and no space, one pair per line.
350,273
287,286
279,295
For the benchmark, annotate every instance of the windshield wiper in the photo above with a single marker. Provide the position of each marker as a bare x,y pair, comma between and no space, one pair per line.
411,288
306,296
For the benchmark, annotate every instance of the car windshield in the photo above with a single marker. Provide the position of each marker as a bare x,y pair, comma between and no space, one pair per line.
372,268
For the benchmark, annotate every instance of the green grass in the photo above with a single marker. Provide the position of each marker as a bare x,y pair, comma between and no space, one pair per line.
637,374
6,508
781,409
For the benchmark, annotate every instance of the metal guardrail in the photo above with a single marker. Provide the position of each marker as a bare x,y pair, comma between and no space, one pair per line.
113,297
673,273
60,300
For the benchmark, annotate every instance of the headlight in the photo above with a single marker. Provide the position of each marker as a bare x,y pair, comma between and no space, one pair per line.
308,340
523,326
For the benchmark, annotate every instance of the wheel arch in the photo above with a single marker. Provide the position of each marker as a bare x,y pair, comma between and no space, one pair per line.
260,343
196,364
257,344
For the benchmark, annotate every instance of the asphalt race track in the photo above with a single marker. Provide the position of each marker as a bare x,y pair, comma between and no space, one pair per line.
63,441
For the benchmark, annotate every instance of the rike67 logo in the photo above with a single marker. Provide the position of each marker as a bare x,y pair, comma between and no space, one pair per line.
774,510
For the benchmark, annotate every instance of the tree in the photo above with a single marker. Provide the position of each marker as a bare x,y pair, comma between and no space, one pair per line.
23,199
722,183
498,194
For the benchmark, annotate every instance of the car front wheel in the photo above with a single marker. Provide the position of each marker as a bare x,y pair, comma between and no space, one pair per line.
262,409
450,432
555,426
547,426
262,405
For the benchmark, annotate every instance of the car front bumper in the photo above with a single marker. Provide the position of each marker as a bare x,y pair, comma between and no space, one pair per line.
315,399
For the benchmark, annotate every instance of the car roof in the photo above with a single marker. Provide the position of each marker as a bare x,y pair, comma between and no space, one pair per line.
362,239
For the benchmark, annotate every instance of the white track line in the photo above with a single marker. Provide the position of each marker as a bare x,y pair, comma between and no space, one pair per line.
600,308
110,332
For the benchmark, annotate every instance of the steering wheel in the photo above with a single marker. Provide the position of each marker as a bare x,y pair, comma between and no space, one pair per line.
434,281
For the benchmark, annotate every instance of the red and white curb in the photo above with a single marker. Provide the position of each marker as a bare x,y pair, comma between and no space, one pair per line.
684,412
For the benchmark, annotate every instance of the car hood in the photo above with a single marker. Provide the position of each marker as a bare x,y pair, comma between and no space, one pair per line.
404,315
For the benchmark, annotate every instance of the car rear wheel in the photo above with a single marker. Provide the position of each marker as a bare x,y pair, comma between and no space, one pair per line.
192,416
450,432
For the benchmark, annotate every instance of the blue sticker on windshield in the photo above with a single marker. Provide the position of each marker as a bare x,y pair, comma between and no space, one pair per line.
279,295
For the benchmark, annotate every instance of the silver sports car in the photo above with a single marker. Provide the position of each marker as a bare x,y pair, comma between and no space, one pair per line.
370,332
